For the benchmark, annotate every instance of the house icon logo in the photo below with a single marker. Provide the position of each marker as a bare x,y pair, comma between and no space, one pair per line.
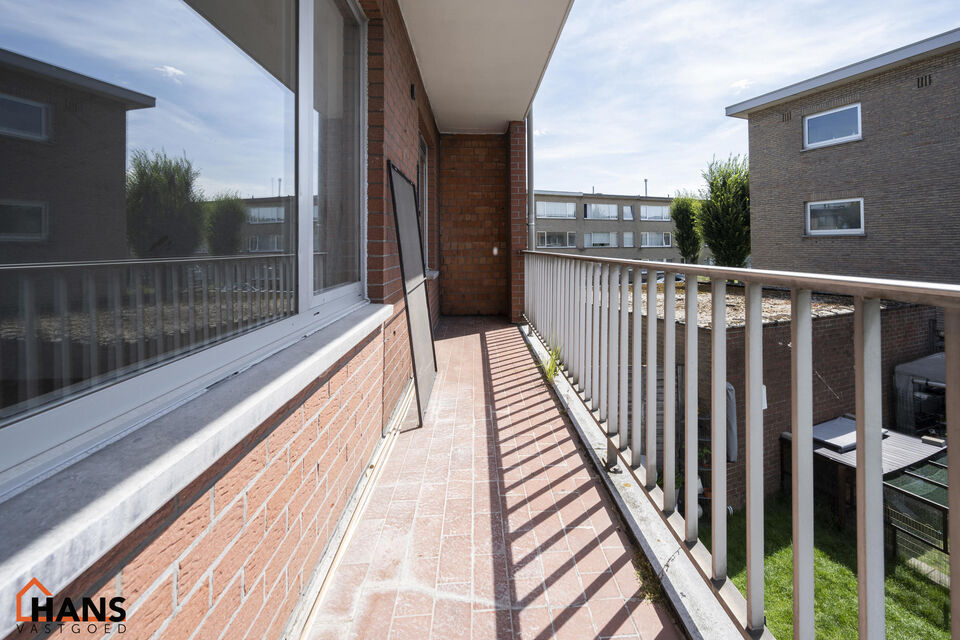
33,584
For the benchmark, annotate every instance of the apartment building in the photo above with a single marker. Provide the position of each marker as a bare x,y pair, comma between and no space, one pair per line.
857,171
617,226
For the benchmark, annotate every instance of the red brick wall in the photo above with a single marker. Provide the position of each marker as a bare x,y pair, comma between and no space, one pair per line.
234,551
906,334
517,134
475,270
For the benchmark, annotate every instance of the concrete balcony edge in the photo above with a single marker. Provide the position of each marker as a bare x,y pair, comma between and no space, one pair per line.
696,604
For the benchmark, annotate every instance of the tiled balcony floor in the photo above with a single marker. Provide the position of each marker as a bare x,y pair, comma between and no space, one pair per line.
488,522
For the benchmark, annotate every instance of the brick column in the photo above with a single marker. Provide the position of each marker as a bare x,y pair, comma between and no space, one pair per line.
517,184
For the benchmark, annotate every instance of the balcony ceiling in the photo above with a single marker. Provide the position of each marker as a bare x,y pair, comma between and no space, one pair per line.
482,61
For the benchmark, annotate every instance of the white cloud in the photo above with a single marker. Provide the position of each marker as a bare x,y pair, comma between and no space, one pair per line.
170,72
637,89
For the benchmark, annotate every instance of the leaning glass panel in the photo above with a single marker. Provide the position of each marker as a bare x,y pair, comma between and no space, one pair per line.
336,123
140,145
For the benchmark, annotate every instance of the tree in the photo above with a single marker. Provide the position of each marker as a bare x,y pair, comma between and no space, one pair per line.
683,212
225,218
725,211
164,206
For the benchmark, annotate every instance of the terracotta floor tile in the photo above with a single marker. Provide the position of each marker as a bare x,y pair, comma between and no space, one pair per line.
487,522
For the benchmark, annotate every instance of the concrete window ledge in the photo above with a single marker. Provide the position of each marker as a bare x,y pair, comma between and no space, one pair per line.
58,528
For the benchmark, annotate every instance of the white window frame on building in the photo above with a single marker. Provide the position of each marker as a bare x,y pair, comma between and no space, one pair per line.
116,407
588,240
569,238
663,212
628,212
834,232
628,239
832,141
45,119
596,207
666,239
552,209
41,209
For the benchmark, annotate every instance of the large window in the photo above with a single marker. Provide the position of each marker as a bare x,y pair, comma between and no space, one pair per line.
556,239
556,209
148,189
628,212
593,211
832,127
600,239
656,239
336,135
654,212
835,217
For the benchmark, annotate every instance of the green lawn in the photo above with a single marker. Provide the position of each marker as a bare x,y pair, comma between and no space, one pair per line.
916,608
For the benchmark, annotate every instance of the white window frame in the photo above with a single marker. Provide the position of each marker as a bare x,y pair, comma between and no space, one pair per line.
667,240
44,120
632,241
253,220
571,216
542,240
587,205
625,208
645,215
833,141
44,222
111,411
610,234
835,232
571,239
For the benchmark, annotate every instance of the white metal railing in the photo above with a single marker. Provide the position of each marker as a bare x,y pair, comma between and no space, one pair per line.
572,303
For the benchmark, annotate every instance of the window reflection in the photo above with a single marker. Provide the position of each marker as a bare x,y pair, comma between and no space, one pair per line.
140,146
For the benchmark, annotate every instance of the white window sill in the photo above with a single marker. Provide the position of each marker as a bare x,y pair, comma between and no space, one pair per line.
59,527
432,274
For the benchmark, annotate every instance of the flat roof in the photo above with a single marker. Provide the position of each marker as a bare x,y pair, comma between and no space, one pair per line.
130,99
581,194
904,55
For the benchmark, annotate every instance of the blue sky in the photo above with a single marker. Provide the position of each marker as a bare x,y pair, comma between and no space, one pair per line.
637,89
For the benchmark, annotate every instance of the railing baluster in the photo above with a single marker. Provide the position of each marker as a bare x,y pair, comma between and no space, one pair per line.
867,367
28,311
636,395
753,359
175,299
623,363
93,352
718,429
669,392
191,306
65,367
116,301
595,331
588,332
604,353
951,338
158,306
579,335
613,362
801,446
691,410
138,300
650,478
565,308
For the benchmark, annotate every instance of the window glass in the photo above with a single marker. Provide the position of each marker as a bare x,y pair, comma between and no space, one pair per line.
571,239
555,239
601,211
25,118
336,121
833,126
627,212
169,122
556,209
836,217
602,239
654,212
22,221
628,238
655,239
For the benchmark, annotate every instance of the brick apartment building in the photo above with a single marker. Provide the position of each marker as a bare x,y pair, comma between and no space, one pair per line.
615,226
207,421
857,171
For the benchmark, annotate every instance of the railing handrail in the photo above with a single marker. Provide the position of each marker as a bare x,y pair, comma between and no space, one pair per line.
911,291
140,261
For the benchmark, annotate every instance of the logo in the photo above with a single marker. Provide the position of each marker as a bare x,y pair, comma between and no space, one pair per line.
37,611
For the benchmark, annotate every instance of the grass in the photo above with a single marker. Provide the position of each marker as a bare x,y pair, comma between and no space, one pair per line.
915,607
